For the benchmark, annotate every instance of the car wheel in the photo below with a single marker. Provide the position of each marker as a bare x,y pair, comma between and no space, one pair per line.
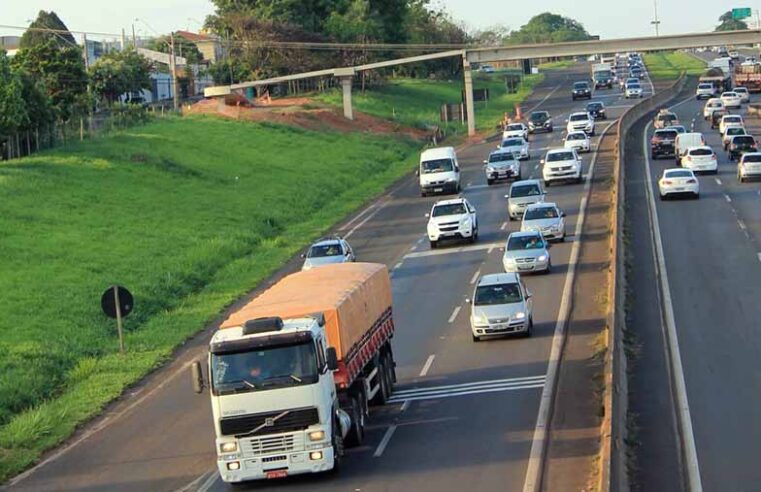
547,184
530,328
423,194
510,218
662,196
472,238
476,339
549,267
489,182
740,178
338,446
434,244
562,238
550,130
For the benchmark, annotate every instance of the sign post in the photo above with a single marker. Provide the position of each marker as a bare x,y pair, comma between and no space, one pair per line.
117,302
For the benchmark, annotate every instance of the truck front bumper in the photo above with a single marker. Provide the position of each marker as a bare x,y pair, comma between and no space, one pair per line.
276,466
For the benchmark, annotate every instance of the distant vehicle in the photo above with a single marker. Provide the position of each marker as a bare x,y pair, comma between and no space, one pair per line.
734,55
729,132
677,128
743,93
515,130
501,305
705,90
439,171
577,140
602,75
581,90
716,117
712,105
662,143
526,252
517,146
749,167
521,195
581,121
545,218
501,164
328,251
597,110
561,165
740,145
452,219
719,77
748,75
636,72
540,121
487,69
700,159
678,182
731,99
633,91
665,118
730,120
685,141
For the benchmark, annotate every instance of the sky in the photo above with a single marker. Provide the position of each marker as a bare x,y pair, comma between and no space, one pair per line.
607,18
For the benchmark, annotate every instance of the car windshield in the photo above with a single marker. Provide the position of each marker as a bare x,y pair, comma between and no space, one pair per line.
501,157
448,209
705,86
579,117
668,134
323,250
512,142
539,213
594,106
514,128
733,119
525,190
677,174
700,152
744,139
560,156
729,94
667,117
735,130
716,104
752,158
634,86
677,129
740,90
539,116
437,166
524,242
580,85
264,368
490,295
576,136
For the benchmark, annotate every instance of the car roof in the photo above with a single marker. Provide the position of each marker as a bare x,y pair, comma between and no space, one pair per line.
558,151
732,116
580,112
595,102
543,205
667,129
690,134
540,112
497,278
700,147
515,124
501,151
526,182
524,234
449,201
326,241
576,132
665,171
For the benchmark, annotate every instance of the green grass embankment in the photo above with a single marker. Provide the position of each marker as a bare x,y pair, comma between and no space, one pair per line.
669,65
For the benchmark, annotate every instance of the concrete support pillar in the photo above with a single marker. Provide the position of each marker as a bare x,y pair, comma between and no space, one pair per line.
468,78
346,89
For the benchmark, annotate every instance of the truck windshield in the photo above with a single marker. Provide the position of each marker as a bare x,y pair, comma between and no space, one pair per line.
264,368
437,166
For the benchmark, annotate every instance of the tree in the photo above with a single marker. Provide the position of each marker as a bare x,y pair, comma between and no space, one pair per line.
119,72
13,113
182,47
730,24
46,20
36,102
549,28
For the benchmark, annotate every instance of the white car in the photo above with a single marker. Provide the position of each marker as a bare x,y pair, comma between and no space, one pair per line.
517,145
705,91
452,219
328,251
743,93
515,130
700,159
729,132
521,195
546,218
633,91
526,252
713,104
730,120
678,181
749,166
581,121
731,99
560,165
578,141
501,165
501,305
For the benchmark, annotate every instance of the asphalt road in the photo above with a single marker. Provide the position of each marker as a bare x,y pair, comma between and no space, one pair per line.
712,253
475,441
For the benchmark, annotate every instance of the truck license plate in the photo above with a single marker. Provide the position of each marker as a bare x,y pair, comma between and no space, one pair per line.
277,474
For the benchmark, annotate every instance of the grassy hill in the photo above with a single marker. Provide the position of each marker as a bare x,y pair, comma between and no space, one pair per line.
668,65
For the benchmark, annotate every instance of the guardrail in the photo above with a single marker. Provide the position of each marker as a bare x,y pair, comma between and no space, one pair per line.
614,476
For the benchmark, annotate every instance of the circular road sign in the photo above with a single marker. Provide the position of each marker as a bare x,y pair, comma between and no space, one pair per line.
108,302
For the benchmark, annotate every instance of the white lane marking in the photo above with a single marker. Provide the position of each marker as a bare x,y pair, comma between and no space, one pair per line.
454,314
503,226
545,98
447,251
359,216
421,240
741,224
683,406
759,256
471,391
727,198
414,247
384,442
364,221
405,406
398,266
400,395
491,248
427,365
200,482
476,187
532,482
475,277
209,482
718,181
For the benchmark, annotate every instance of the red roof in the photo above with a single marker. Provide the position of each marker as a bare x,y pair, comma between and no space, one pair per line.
195,37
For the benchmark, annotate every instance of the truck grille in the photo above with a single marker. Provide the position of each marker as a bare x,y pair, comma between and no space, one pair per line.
275,444
268,423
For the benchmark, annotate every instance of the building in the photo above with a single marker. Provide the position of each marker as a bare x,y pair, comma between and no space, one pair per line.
209,46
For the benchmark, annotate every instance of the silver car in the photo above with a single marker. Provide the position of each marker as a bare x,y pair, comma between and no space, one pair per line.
501,165
501,305
521,195
328,251
518,146
526,252
546,218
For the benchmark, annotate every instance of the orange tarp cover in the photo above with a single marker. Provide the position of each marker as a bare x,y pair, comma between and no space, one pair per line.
352,296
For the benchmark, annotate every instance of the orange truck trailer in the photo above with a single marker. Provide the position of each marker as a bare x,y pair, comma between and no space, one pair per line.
293,372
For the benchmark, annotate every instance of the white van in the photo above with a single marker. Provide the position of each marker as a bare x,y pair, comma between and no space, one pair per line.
439,171
685,141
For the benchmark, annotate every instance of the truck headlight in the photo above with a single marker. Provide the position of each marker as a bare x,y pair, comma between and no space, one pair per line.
233,465
228,447
317,435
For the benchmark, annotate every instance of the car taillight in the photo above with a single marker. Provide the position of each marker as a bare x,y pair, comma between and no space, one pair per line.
713,157
689,158
691,181
667,181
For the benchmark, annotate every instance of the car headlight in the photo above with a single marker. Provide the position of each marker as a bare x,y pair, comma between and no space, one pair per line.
542,258
508,259
451,180
228,447
465,222
489,169
317,435
520,315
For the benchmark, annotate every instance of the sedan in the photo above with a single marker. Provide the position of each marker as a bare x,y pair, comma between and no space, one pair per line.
700,159
731,99
578,141
633,91
502,165
545,218
526,252
678,181
729,132
517,145
743,93
749,167
711,106
730,120
515,130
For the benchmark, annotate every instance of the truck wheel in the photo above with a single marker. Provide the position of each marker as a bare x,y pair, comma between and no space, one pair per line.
338,447
357,431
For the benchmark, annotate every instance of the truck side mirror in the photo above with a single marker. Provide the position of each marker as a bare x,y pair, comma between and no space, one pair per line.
417,172
332,358
198,382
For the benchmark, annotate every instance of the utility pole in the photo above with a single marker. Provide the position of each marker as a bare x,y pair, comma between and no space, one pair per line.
85,55
134,38
656,22
124,40
173,66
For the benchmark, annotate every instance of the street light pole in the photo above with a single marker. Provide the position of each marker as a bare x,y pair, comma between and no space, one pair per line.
175,84
656,22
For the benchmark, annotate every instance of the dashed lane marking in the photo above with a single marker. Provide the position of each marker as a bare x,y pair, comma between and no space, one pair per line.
384,442
427,365
727,198
447,251
741,224
503,226
475,277
454,315
718,181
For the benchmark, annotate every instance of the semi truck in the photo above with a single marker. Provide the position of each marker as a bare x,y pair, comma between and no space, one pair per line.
292,373
602,75
718,78
748,75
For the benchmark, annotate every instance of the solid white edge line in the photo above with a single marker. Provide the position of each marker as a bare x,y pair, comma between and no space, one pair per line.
454,314
535,466
545,99
741,224
683,406
384,442
427,365
475,277
364,221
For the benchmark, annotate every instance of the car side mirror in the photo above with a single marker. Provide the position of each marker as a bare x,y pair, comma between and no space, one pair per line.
498,147
197,373
507,196
332,358
303,255
562,214
417,172
541,161
467,301
529,295
486,161
427,215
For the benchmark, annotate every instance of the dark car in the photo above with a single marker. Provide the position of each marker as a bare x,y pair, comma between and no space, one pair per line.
539,121
581,90
716,117
741,144
636,73
662,143
597,110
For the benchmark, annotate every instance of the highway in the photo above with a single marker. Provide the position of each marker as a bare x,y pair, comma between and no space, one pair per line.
464,414
711,249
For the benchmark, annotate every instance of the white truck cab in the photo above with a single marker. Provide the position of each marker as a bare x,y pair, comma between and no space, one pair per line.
439,171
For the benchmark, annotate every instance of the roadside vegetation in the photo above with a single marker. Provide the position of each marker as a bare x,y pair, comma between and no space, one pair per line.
556,65
189,214
668,66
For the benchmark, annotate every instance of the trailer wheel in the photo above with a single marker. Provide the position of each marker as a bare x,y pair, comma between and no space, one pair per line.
390,374
383,392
